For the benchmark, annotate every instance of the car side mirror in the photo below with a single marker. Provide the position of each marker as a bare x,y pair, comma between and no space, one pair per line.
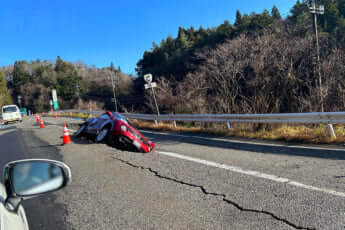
25,179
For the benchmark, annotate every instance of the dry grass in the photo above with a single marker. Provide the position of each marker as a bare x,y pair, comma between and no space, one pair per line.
315,134
74,115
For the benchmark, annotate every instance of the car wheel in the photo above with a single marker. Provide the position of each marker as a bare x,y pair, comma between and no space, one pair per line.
80,131
112,141
102,134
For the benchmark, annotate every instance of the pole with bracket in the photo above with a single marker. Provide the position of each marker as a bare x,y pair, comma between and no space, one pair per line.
150,84
112,75
318,11
154,96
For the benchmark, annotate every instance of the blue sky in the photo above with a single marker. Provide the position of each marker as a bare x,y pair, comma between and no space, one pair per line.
98,32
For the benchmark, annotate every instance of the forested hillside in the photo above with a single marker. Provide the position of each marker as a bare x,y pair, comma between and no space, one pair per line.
260,63
77,85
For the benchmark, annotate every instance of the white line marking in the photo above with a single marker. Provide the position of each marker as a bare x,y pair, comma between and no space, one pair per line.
244,142
252,173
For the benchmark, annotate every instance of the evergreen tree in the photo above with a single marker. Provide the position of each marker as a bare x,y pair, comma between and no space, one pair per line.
245,22
301,19
5,98
330,18
225,29
111,67
67,79
20,75
59,64
260,21
182,39
341,7
276,14
238,20
191,34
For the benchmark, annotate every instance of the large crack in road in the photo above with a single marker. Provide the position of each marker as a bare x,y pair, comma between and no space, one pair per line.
204,191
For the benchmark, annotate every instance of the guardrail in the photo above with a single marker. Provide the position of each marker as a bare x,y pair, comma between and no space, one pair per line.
303,118
283,118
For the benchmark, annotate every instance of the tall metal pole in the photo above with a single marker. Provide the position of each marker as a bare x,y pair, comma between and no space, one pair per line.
154,96
316,11
78,95
113,84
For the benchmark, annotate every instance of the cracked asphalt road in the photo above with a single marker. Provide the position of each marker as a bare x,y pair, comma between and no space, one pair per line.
115,189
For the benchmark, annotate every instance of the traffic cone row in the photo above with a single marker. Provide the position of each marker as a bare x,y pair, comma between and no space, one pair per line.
66,139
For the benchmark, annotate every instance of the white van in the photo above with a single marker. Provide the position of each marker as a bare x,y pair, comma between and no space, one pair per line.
11,113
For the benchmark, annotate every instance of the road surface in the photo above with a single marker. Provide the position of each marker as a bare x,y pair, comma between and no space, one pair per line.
188,182
18,142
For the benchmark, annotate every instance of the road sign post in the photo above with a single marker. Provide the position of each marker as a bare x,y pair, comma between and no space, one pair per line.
51,105
55,100
154,96
19,101
152,85
113,83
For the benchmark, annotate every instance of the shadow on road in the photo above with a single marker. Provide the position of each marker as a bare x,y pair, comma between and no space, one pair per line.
45,146
3,128
250,147
89,140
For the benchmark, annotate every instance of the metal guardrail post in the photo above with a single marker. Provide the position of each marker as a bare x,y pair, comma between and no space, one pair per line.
156,120
175,126
331,131
228,125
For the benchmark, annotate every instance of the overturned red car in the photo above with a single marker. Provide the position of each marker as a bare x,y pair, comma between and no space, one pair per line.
116,131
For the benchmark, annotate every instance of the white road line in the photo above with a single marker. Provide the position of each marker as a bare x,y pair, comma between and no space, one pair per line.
252,173
243,142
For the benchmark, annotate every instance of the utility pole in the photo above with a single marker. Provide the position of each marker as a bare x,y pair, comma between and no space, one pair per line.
112,76
315,11
77,92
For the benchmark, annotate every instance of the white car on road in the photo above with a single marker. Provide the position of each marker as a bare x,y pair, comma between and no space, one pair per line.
11,113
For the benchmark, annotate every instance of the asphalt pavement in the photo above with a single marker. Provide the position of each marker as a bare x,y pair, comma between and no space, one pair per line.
18,142
188,182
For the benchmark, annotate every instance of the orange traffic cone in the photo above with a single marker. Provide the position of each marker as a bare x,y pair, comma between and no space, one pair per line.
41,124
56,115
38,119
66,138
